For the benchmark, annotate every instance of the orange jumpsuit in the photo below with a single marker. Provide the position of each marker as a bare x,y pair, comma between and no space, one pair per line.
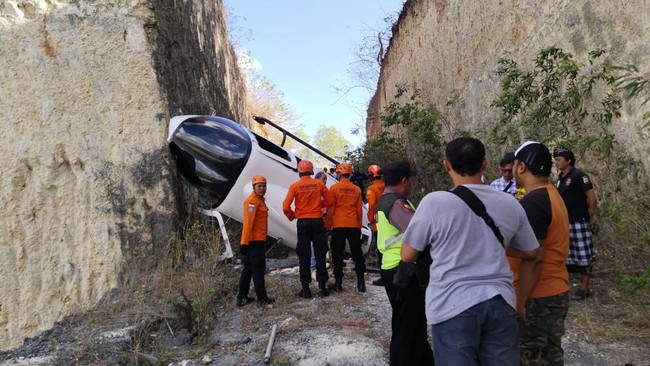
253,241
374,191
310,196
256,219
345,208
346,215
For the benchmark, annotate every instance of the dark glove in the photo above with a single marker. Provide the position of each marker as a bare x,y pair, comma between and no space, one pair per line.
594,227
243,249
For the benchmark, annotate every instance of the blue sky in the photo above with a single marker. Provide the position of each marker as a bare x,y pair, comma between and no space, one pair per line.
306,47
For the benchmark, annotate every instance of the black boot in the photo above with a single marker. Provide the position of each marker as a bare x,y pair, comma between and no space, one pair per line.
378,282
338,285
305,293
241,301
361,283
265,301
322,286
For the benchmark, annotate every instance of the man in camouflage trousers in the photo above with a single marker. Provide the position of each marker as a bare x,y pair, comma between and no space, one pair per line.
543,304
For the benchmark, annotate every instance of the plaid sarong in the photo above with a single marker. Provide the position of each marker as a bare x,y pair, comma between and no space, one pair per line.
581,248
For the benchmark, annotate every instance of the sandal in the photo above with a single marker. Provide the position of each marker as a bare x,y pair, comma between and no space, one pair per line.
581,294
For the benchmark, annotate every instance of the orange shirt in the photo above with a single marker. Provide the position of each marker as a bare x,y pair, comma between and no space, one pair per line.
553,277
256,219
345,210
310,196
373,193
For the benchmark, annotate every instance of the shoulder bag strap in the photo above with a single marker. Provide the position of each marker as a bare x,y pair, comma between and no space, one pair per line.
508,186
478,207
385,202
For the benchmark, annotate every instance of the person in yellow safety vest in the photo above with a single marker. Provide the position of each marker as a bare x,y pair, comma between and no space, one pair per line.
346,215
310,196
253,245
374,191
408,344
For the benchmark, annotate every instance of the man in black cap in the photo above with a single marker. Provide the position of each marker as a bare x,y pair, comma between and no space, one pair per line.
409,344
578,194
546,300
506,183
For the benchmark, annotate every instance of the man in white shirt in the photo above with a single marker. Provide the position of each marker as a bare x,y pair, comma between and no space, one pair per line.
506,183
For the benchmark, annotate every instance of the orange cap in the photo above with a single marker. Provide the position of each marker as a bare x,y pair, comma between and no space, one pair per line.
259,179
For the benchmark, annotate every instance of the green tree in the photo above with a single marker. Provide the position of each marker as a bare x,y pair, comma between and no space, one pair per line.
560,102
299,149
413,129
330,141
422,123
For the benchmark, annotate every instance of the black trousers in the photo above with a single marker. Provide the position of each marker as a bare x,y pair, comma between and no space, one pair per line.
391,290
373,247
409,344
254,267
353,236
311,231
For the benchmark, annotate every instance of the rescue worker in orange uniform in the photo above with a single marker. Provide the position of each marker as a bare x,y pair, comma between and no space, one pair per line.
310,196
346,215
374,191
253,245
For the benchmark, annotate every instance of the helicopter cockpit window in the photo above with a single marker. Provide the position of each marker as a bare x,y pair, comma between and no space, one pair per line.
211,152
272,148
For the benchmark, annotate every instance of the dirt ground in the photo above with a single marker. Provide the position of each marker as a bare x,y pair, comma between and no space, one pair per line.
346,328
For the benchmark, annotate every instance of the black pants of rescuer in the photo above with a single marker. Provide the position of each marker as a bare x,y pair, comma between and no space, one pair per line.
409,344
254,267
353,236
373,247
311,231
391,290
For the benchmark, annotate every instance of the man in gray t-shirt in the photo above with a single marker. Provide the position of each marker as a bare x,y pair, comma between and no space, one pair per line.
470,298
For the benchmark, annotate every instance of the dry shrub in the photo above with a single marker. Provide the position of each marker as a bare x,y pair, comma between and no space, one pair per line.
194,280
181,288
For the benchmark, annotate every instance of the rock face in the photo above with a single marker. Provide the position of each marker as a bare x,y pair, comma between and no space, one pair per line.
448,47
87,89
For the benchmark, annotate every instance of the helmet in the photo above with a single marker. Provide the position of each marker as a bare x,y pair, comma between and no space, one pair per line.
259,179
374,171
305,166
344,168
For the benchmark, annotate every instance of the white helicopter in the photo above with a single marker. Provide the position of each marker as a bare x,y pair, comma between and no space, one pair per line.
220,157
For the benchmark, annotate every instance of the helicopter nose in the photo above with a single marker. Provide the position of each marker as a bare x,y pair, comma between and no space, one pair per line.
210,152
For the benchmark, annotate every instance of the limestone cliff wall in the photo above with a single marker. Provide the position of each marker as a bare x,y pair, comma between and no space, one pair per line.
86,91
445,46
